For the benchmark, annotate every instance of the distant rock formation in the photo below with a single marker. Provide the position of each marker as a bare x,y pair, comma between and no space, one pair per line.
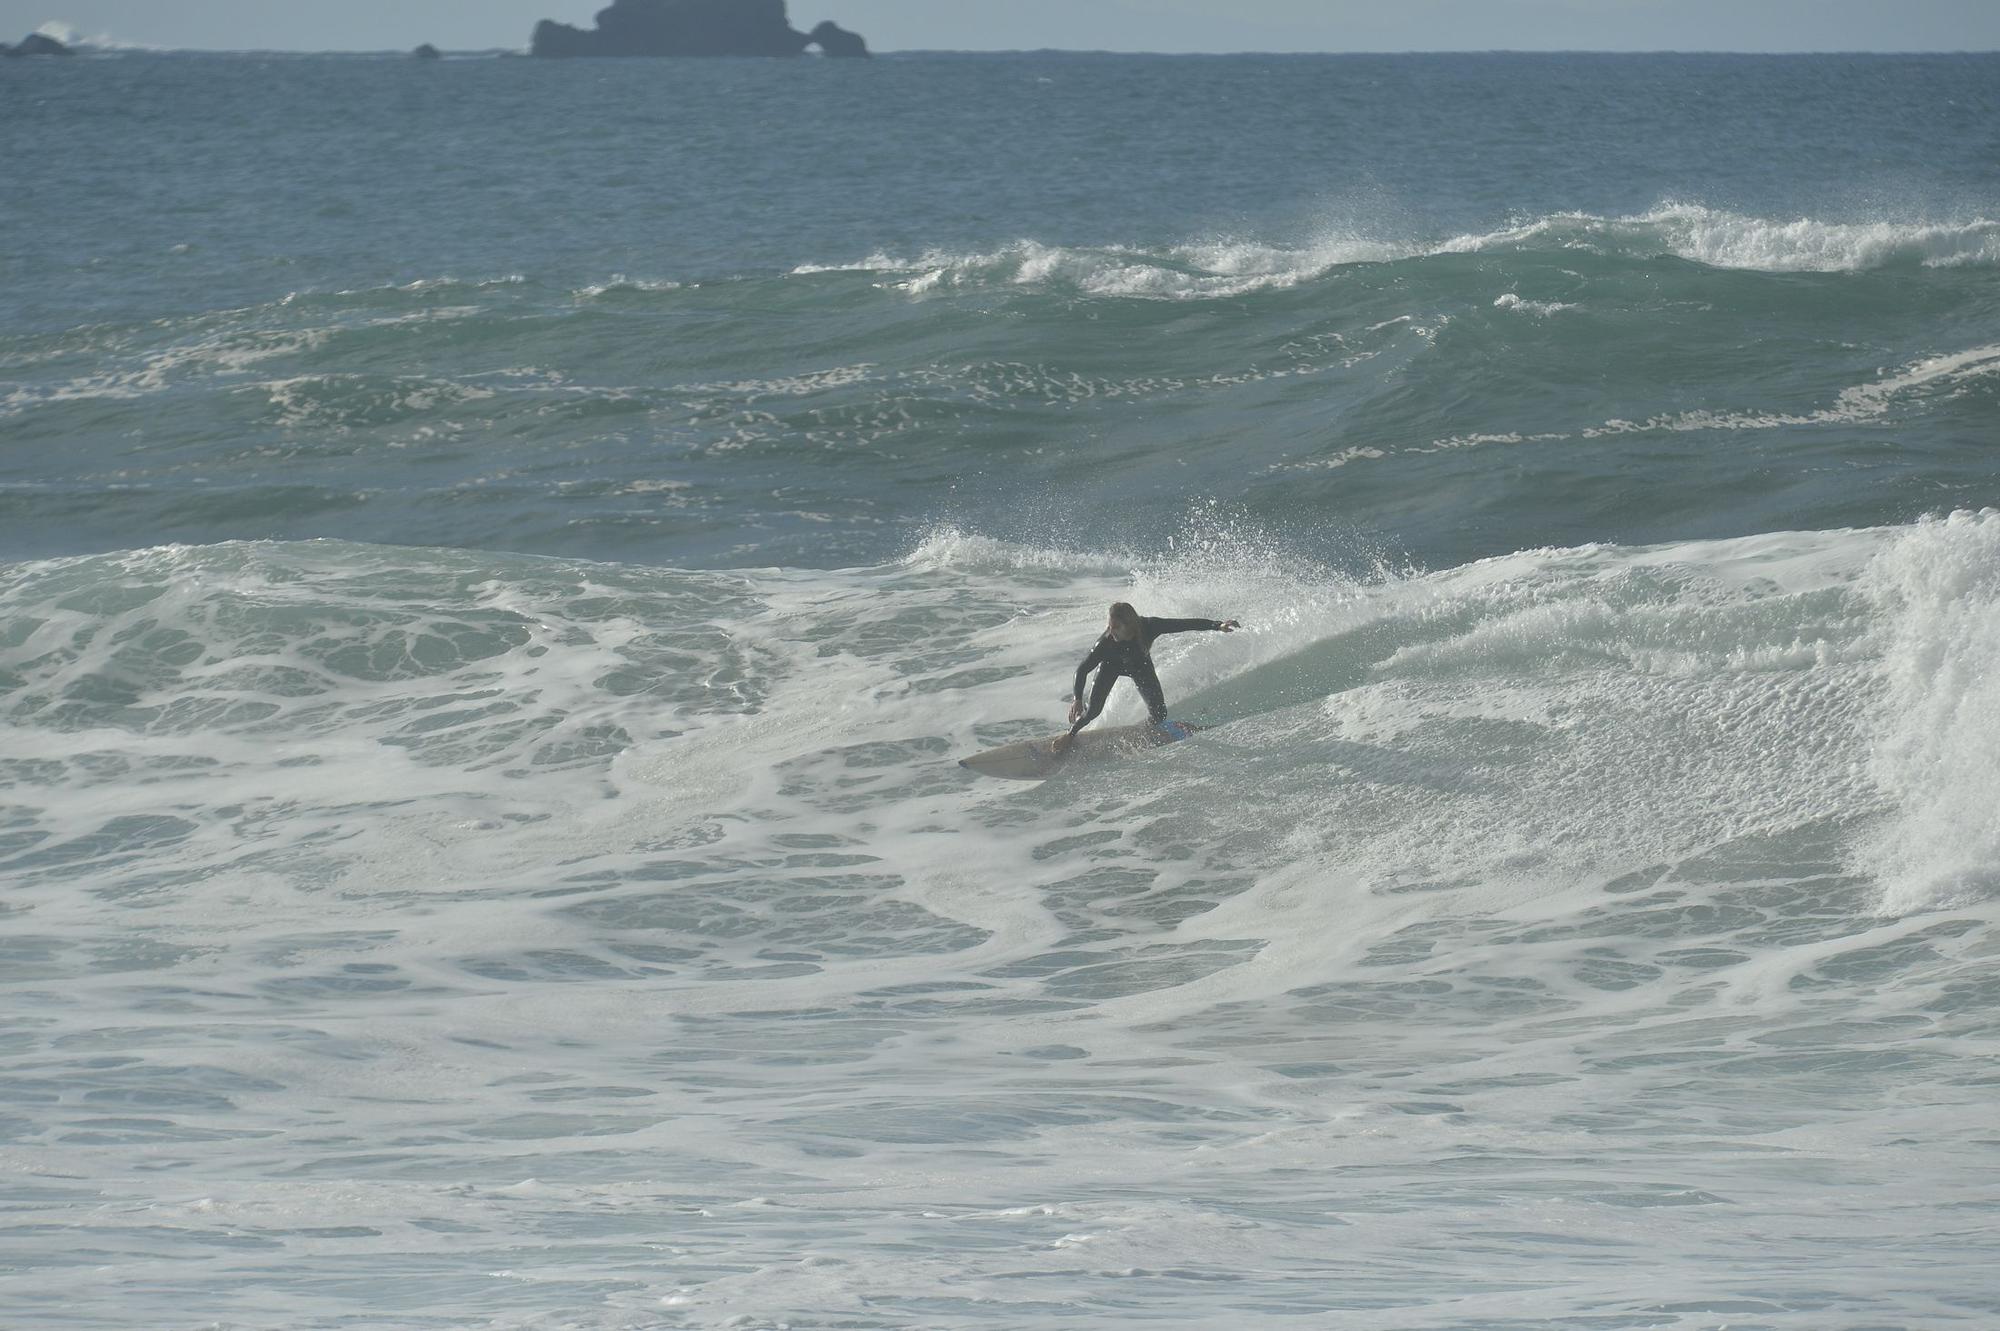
835,40
428,52
692,27
36,43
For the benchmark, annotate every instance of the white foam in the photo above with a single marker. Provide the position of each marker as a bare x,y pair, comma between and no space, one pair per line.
429,902
1544,308
1727,240
1225,267
222,346
335,401
620,282
796,385
1938,591
221,354
1197,270
952,548
97,44
1722,239
1949,373
1954,369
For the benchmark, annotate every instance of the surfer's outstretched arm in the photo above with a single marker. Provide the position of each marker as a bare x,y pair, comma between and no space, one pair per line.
1156,627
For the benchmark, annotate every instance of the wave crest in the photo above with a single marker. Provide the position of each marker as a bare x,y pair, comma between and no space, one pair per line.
1717,238
1938,589
1225,267
1198,270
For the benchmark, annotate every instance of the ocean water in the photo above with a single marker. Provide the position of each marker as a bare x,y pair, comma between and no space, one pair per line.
498,560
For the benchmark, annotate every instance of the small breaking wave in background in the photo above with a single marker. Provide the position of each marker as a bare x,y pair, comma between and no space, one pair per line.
1012,386
1222,268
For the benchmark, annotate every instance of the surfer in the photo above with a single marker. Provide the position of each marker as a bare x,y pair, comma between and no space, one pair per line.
1127,649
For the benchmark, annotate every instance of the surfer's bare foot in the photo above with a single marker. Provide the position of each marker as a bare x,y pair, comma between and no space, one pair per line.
1060,745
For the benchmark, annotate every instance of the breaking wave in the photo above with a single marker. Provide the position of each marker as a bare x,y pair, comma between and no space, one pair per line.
1224,267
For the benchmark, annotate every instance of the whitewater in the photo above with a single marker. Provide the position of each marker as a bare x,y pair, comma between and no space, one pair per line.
484,655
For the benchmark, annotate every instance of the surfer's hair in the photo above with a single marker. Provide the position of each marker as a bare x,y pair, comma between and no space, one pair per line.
1124,622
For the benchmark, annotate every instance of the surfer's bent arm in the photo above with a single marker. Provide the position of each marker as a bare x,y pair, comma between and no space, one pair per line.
1090,663
1156,627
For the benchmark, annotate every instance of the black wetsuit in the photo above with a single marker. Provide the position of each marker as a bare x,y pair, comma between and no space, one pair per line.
1111,658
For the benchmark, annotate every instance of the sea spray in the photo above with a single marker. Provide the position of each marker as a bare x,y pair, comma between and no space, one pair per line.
1937,590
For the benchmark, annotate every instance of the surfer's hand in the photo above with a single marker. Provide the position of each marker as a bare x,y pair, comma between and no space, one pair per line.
1075,710
1229,626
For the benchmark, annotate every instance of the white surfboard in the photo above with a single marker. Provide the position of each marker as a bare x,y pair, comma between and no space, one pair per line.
1037,759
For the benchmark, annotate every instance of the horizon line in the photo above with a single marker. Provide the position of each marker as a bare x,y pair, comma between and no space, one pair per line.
85,45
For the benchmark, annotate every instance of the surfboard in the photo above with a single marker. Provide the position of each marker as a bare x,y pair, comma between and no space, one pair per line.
1037,759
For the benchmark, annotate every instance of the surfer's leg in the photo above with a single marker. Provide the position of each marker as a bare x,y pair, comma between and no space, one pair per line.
1149,689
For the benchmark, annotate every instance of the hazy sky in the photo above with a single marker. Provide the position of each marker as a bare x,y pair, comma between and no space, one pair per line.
1123,25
